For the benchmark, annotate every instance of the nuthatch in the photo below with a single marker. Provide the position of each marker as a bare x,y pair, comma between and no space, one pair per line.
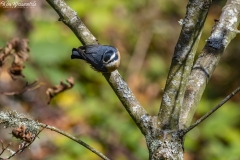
101,57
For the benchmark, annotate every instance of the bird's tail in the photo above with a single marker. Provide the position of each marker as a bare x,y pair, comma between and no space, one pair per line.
76,54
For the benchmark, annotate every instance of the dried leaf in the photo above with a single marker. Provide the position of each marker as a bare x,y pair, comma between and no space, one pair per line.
26,136
18,49
16,70
53,91
21,133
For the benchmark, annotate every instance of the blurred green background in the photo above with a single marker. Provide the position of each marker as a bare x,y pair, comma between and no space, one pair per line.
145,32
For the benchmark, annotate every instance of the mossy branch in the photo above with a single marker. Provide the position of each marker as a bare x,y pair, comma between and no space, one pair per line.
12,119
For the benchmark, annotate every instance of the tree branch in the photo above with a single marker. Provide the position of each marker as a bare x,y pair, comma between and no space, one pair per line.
223,32
70,18
211,112
182,62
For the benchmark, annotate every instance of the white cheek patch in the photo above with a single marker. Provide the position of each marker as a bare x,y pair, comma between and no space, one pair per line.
114,63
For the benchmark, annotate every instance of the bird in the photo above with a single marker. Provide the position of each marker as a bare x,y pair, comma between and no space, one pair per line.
102,58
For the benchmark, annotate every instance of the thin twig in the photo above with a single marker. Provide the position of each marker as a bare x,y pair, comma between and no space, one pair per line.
27,87
14,116
76,140
4,148
184,131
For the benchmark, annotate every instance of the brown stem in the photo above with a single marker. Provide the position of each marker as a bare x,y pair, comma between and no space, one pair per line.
200,120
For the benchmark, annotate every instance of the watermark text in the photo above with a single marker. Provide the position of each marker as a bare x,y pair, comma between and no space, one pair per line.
15,4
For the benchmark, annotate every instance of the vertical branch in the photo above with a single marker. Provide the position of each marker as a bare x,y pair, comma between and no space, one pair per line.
182,62
140,51
223,32
129,101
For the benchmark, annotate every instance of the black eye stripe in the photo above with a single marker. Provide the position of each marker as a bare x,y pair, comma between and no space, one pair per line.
108,56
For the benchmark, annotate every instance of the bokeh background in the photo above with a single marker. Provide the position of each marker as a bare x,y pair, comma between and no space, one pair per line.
145,32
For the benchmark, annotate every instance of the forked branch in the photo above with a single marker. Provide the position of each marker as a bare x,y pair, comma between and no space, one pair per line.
182,62
222,34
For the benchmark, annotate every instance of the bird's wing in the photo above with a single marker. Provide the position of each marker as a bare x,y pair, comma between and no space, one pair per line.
93,53
94,58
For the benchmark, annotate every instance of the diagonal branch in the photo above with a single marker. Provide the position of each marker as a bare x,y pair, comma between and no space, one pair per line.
4,148
182,62
74,139
223,32
211,112
129,101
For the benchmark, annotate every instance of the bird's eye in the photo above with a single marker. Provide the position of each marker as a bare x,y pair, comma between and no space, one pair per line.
108,56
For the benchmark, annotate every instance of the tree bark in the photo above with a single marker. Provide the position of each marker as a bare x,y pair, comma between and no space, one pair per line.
164,144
